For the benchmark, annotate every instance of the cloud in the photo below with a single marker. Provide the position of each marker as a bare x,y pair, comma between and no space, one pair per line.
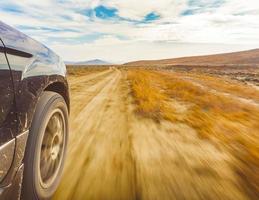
137,10
129,24
151,17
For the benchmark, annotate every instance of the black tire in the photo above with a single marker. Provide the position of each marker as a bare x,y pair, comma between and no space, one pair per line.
51,106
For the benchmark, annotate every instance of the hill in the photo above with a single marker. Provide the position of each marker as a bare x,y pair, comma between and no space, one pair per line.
241,57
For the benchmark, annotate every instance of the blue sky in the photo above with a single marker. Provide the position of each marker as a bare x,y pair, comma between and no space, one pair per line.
125,30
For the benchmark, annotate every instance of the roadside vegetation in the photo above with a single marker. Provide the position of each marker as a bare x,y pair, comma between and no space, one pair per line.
221,119
226,85
83,70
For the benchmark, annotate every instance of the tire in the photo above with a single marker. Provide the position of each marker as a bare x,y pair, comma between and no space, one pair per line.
46,148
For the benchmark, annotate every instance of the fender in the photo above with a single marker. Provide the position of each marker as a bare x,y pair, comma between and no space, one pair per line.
34,68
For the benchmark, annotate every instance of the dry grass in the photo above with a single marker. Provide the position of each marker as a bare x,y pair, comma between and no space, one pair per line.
82,71
230,123
151,99
226,85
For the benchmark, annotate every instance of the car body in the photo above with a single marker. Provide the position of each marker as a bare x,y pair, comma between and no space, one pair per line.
27,69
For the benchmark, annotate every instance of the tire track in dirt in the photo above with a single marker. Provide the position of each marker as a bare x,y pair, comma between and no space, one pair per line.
91,76
99,164
86,92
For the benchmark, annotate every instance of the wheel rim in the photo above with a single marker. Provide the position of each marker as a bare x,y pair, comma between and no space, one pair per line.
52,149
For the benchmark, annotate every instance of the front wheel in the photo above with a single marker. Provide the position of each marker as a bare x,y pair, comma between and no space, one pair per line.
46,148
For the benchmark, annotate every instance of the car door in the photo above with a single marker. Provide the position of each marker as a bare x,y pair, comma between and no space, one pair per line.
7,115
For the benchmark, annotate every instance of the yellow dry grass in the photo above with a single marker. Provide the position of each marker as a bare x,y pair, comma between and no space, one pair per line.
82,71
147,88
226,85
232,124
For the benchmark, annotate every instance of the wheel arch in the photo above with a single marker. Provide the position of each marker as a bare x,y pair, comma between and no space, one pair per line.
60,88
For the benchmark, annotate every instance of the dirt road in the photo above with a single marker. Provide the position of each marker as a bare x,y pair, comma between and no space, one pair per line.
116,154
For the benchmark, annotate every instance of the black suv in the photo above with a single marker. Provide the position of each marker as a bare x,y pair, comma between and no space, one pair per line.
34,107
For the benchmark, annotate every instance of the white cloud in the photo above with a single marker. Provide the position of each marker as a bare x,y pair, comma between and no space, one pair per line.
232,22
136,9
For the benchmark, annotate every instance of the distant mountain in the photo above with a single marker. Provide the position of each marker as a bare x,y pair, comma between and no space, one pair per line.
241,57
89,62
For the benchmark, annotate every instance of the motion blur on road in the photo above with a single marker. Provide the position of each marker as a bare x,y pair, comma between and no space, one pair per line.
117,151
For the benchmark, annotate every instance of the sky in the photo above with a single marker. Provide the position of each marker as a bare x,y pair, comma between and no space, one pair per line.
119,31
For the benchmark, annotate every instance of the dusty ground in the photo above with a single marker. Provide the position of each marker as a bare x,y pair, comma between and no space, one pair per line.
116,154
